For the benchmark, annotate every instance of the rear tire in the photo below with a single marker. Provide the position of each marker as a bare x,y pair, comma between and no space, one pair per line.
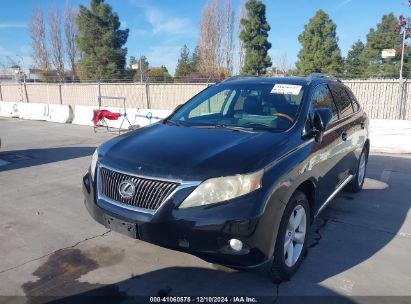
356,184
292,238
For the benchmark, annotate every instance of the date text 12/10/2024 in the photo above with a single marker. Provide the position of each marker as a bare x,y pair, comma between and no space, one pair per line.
203,299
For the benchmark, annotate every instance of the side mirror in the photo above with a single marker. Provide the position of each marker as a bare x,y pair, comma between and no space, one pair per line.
321,120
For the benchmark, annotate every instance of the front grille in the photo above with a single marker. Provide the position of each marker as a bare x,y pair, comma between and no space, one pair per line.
149,193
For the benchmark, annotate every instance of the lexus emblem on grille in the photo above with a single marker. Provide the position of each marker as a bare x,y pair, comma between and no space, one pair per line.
127,189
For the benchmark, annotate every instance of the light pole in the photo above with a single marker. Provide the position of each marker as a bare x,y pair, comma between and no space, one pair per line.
404,25
399,113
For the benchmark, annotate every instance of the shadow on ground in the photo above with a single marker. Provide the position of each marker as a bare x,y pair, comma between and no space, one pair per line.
351,231
34,157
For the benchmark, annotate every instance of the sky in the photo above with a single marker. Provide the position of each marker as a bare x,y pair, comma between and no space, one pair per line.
158,29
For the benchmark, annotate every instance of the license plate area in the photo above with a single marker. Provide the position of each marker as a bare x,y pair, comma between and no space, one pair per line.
120,226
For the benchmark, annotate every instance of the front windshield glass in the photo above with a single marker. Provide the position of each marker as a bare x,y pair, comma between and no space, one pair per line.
255,106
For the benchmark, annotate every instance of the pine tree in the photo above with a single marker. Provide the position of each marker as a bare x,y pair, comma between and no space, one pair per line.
383,37
354,65
101,42
254,37
320,52
184,66
195,58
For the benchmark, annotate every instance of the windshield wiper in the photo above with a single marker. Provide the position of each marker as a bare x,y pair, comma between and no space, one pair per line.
219,126
235,128
257,125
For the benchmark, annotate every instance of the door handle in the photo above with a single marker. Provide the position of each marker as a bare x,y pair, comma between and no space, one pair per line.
362,123
344,136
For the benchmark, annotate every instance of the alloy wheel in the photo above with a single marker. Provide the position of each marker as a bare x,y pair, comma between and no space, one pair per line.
361,169
295,235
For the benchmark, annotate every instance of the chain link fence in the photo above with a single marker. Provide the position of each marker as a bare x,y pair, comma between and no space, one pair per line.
379,97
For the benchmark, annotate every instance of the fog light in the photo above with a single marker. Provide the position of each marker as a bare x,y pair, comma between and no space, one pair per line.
236,245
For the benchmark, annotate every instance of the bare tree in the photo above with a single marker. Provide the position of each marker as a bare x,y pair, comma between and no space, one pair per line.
70,32
207,44
56,42
215,42
240,43
228,18
282,64
40,53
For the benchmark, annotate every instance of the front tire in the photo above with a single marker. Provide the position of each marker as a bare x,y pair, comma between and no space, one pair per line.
292,237
357,182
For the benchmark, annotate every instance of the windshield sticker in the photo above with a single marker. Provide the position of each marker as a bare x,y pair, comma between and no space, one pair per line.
286,89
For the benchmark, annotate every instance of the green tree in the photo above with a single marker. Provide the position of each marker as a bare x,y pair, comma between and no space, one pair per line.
320,52
101,42
195,58
254,36
184,66
354,65
383,37
159,74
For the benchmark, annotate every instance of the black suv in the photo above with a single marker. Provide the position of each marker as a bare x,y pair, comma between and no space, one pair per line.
237,174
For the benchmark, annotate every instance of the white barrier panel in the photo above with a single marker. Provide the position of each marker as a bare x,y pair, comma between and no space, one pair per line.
390,136
34,111
138,117
11,109
60,113
146,117
83,115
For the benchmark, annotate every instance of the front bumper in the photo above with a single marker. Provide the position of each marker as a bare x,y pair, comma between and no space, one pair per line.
202,231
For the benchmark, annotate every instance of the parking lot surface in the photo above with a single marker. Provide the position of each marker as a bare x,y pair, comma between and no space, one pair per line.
50,246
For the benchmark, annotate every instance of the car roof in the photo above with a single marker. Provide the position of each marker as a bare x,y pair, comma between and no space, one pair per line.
272,80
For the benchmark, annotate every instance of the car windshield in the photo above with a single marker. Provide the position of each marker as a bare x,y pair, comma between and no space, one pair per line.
269,106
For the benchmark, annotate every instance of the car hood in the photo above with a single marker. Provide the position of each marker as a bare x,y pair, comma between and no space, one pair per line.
191,154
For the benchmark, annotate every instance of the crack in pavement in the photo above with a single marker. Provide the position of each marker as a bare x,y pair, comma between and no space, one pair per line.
399,233
50,253
317,231
277,292
316,242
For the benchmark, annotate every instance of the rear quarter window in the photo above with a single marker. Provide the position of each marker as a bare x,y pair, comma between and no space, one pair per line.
342,100
354,100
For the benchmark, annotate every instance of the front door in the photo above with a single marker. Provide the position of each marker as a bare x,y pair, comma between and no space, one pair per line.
326,154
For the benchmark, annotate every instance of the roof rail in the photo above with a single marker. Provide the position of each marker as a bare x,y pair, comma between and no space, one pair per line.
313,76
237,77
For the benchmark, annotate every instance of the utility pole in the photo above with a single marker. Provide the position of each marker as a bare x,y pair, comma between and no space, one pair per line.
141,70
401,89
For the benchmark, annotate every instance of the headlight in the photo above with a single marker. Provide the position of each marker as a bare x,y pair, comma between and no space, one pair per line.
93,165
221,189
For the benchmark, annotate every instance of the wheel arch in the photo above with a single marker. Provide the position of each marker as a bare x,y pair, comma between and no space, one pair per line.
367,145
309,189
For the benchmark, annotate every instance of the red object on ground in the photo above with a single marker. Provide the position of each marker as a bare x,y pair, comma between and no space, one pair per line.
101,114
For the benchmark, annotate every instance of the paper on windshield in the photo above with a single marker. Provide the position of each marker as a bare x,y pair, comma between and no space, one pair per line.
286,89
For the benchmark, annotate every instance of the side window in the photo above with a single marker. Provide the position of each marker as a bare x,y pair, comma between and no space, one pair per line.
354,100
342,100
322,98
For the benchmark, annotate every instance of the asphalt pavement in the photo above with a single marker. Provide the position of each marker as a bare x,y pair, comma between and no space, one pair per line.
50,246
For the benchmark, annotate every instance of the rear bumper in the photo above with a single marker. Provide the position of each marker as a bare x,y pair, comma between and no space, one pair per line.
201,231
